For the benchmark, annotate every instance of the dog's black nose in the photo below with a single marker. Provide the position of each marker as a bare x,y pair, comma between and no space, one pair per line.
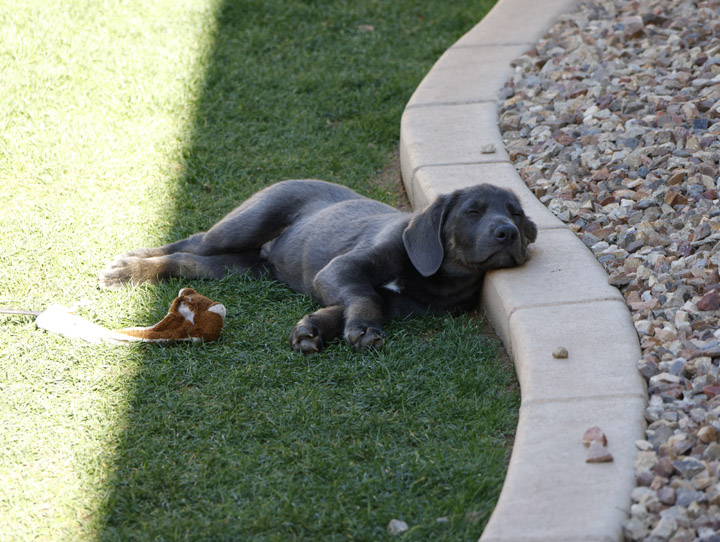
506,233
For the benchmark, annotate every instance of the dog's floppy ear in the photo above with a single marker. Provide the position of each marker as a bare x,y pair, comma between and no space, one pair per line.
423,237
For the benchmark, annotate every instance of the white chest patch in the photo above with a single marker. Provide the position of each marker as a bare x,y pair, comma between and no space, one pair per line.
393,286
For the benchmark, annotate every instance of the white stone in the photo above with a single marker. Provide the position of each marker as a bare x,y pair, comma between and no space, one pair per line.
397,527
665,528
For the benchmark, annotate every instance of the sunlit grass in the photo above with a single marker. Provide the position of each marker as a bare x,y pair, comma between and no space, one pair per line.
126,124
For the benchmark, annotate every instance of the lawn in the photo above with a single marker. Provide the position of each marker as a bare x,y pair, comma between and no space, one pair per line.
129,123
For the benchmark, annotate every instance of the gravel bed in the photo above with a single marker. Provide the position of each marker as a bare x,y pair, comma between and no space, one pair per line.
613,121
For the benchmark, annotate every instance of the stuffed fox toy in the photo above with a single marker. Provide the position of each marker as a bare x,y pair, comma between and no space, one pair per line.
192,317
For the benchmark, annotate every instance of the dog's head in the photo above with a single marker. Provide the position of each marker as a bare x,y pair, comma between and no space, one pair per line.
475,229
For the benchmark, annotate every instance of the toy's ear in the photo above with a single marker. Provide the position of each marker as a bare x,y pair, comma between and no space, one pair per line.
209,323
219,309
423,237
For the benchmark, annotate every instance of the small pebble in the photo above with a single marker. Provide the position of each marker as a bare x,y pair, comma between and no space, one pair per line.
689,466
560,352
397,527
707,434
594,434
666,494
597,453
709,302
488,148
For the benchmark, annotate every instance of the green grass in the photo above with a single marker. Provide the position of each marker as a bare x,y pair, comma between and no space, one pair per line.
126,124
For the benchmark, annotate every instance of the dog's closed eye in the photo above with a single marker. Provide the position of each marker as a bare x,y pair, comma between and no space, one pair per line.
515,211
476,211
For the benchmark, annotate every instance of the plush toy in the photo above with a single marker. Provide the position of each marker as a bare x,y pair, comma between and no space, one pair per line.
192,317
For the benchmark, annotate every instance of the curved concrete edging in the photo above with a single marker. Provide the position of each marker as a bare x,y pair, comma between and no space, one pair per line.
560,298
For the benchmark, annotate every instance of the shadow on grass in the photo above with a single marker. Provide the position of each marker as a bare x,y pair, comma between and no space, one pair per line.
241,439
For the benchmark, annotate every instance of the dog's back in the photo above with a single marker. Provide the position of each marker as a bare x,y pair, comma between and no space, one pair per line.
314,239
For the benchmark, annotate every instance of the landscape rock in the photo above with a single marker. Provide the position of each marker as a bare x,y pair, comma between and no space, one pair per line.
613,121
689,467
707,434
709,302
664,529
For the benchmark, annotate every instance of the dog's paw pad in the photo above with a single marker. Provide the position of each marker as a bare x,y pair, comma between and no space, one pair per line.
305,338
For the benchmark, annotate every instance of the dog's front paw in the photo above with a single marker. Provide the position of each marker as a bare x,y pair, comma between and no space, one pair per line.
121,271
364,337
305,338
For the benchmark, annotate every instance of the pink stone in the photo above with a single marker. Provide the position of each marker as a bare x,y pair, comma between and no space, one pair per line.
709,302
702,231
712,390
594,434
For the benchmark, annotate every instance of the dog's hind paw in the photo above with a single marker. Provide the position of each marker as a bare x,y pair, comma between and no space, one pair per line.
305,338
364,337
121,271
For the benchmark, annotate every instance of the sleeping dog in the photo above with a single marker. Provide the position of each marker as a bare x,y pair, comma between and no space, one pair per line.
364,261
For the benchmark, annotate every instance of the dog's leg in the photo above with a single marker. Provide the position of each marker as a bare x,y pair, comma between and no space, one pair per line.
348,281
313,331
241,232
259,219
185,245
255,222
193,257
136,269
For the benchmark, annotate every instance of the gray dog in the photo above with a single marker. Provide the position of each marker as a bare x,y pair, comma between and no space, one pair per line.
364,261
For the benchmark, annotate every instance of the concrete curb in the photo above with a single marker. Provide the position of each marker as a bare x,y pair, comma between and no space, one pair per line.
560,298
